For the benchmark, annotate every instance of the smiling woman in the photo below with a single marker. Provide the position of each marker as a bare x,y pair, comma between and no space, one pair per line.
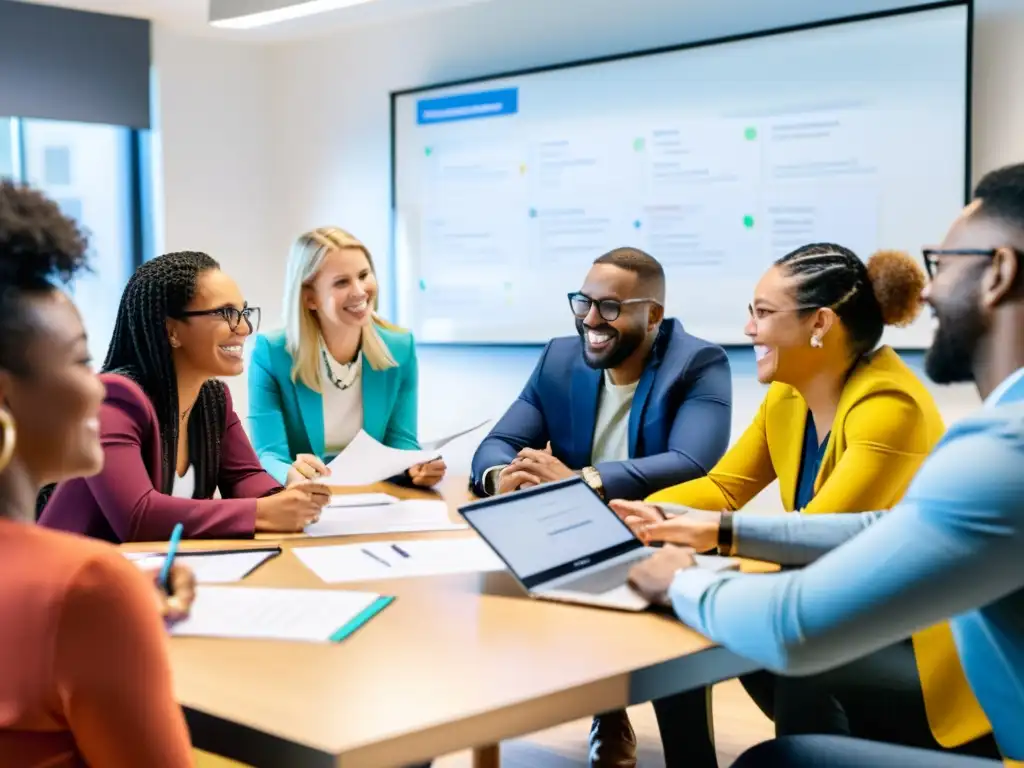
336,369
844,427
181,324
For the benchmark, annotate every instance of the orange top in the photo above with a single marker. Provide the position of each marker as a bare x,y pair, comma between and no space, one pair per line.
84,672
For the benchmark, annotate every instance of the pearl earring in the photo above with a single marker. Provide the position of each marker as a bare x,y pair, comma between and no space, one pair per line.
816,342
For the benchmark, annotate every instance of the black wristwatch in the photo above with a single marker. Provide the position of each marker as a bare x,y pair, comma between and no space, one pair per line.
725,535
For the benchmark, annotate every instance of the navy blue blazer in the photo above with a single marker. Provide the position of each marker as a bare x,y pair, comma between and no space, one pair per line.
679,422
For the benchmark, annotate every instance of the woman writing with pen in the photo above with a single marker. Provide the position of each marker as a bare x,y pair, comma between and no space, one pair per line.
170,434
86,678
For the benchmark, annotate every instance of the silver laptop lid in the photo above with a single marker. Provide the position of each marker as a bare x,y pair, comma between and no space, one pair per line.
551,530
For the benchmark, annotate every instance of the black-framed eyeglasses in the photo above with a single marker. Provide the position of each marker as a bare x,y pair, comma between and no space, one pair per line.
231,315
608,309
931,256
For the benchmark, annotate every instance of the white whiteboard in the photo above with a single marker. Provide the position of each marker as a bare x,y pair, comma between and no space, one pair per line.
716,160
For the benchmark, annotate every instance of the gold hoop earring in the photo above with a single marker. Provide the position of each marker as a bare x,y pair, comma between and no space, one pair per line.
9,434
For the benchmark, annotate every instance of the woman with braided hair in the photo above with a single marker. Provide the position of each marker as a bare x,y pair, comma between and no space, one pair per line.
169,431
86,679
844,427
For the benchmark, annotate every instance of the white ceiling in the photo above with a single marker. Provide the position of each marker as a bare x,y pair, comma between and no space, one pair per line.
191,15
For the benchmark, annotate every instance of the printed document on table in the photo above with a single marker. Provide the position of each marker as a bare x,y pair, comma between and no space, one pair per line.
440,442
319,615
211,567
398,559
402,517
340,500
366,461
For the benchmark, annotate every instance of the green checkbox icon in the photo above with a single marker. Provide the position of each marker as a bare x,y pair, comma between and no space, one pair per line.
748,222
750,133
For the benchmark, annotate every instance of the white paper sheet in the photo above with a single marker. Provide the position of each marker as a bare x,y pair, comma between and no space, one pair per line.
440,442
213,568
401,517
339,500
366,461
272,614
384,559
716,563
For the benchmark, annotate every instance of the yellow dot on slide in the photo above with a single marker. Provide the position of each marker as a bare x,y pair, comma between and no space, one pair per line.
522,168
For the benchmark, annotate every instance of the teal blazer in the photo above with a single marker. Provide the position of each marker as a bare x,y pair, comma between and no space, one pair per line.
286,417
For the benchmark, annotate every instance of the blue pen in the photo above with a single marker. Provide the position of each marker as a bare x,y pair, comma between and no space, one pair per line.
172,550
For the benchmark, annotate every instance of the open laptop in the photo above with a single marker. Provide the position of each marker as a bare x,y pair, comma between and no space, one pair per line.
562,542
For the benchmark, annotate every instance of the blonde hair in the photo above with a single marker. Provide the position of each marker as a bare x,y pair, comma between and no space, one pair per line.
302,331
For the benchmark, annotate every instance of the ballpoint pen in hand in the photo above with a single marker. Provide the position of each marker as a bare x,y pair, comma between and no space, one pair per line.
172,550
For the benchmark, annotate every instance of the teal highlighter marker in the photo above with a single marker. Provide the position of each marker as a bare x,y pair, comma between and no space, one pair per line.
172,550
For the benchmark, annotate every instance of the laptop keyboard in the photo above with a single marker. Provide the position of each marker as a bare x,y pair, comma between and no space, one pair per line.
599,582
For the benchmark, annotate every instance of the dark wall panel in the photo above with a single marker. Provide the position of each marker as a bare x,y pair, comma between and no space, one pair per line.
61,64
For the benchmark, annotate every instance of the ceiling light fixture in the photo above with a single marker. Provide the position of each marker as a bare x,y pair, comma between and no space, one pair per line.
287,13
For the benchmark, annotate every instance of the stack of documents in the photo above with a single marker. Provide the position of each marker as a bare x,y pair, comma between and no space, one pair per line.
399,559
318,615
398,517
211,566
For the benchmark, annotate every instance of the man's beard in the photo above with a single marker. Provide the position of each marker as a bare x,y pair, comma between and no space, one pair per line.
622,346
950,359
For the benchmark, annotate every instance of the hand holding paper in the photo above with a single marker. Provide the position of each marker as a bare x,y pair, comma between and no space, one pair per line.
428,475
366,461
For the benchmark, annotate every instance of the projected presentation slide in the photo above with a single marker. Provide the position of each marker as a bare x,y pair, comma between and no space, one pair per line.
716,160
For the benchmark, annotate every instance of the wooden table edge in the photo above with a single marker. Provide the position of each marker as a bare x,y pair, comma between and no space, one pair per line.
480,731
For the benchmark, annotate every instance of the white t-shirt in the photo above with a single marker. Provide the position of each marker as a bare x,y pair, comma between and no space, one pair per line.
185,485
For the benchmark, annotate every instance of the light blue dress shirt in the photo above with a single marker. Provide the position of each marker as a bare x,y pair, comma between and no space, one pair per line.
954,543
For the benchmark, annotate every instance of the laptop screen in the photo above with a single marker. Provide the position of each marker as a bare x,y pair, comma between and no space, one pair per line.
549,531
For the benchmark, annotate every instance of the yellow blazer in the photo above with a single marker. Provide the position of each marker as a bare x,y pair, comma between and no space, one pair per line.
886,424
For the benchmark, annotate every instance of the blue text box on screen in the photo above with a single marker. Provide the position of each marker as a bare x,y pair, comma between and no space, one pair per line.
468,106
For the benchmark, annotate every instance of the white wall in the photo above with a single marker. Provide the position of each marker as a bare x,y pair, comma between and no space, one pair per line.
262,143
214,152
998,84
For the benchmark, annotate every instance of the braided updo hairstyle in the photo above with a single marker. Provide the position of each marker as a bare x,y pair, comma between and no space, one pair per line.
140,350
865,297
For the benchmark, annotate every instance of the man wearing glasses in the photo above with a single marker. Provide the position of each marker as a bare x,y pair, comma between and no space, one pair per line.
633,403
